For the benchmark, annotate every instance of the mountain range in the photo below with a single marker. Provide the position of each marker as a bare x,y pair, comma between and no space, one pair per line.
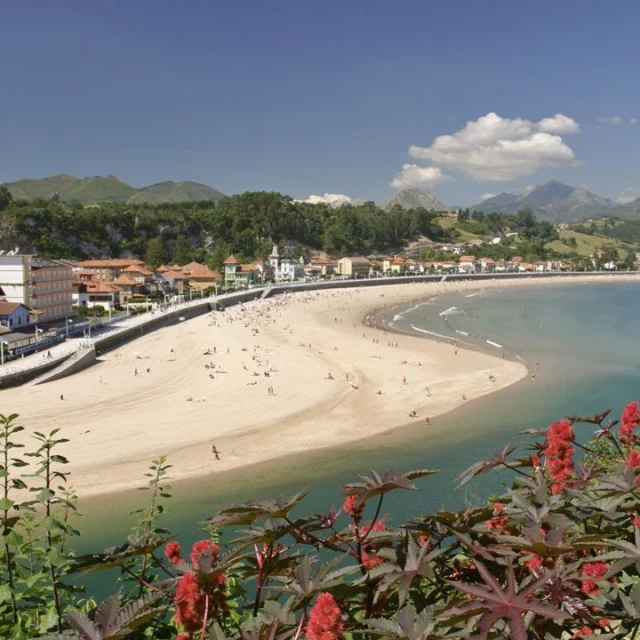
557,202
97,189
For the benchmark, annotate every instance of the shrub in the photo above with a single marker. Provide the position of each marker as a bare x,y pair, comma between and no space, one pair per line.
556,556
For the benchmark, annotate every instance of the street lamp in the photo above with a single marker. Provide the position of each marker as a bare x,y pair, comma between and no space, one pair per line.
69,321
2,346
37,332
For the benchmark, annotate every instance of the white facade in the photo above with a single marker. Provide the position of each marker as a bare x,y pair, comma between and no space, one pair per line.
42,285
15,277
285,269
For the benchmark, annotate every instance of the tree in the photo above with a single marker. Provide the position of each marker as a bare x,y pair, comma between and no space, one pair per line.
181,251
5,198
155,254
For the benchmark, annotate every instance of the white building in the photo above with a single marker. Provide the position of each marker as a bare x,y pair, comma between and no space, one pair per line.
285,269
42,285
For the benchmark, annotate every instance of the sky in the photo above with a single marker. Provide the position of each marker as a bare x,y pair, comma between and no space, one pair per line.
354,98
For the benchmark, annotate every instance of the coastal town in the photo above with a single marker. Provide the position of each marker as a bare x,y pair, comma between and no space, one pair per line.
43,301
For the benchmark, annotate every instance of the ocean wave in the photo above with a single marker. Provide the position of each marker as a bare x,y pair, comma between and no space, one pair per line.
464,333
431,333
472,295
494,344
450,311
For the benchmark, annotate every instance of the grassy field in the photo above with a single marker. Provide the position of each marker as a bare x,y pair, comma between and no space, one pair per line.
586,244
465,236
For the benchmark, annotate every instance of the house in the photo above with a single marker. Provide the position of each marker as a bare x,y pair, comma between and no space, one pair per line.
108,270
128,286
412,267
487,265
312,271
200,276
327,266
397,265
353,266
91,293
171,280
468,264
14,315
240,275
285,269
41,285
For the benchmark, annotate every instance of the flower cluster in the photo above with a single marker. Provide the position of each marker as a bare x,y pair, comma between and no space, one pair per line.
370,557
172,551
593,571
324,619
352,507
499,522
200,594
633,458
629,420
559,451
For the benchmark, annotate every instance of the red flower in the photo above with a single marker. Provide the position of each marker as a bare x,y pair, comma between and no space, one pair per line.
198,593
559,451
633,458
190,602
584,631
351,506
535,564
200,547
184,636
595,571
324,619
172,551
498,523
629,420
636,522
498,508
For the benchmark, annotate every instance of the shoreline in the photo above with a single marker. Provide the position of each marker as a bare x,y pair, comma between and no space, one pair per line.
295,332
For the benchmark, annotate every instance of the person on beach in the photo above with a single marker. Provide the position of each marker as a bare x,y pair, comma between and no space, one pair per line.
215,452
135,371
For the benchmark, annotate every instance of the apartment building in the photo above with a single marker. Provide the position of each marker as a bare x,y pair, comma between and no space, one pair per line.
45,286
51,289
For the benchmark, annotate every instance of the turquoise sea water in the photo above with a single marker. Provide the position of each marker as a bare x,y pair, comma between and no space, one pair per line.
584,338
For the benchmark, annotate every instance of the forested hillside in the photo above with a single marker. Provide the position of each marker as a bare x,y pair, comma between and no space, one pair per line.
245,224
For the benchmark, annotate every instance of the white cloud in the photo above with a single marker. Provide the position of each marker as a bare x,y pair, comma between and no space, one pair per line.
633,120
333,199
629,194
558,124
496,148
612,120
486,196
414,176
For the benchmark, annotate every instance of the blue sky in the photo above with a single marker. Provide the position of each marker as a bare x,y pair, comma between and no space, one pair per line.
323,97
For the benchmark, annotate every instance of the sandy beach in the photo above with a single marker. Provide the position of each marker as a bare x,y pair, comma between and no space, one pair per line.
254,383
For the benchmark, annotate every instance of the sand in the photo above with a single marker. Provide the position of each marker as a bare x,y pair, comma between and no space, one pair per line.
331,380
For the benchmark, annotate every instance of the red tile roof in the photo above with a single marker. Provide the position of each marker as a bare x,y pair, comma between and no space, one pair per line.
231,260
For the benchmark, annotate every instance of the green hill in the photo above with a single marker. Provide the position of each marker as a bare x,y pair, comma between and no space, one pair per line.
175,192
97,189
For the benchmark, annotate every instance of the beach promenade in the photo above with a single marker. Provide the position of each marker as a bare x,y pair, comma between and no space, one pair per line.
262,380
